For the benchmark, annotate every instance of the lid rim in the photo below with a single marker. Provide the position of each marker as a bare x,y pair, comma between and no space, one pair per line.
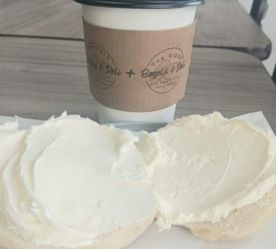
138,4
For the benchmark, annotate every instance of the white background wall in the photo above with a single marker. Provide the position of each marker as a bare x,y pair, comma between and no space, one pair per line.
269,27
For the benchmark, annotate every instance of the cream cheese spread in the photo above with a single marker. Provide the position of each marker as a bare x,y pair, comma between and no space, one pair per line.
71,181
10,141
7,128
204,167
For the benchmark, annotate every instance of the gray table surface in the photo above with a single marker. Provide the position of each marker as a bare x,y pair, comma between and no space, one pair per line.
221,23
41,77
226,24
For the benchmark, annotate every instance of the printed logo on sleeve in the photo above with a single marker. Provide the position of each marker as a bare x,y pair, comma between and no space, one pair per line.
161,74
164,70
104,70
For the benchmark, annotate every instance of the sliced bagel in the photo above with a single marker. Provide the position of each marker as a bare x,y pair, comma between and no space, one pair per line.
241,223
207,170
75,184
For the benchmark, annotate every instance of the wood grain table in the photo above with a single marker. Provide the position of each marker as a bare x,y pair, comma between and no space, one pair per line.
41,77
226,24
221,23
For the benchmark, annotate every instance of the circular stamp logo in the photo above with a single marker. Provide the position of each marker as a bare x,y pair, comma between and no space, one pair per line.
164,70
102,67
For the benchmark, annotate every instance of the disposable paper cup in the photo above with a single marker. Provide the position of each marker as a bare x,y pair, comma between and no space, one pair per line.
138,56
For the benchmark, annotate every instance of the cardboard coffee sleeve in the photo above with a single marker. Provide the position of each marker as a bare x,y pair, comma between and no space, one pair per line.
138,71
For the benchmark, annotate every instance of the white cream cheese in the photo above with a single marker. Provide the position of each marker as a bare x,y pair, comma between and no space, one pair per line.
203,167
10,143
7,128
73,182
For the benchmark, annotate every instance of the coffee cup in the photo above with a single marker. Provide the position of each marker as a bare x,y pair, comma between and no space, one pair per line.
138,56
